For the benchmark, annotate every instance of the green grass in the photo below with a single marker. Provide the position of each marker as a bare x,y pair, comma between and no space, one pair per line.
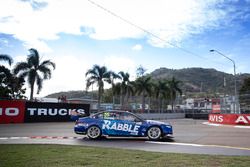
67,156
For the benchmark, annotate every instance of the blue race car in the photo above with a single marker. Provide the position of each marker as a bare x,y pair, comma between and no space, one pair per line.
121,123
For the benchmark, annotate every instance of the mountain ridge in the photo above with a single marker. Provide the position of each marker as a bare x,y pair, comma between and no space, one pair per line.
194,80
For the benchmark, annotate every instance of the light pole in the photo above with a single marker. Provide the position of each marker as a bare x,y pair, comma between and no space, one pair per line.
235,84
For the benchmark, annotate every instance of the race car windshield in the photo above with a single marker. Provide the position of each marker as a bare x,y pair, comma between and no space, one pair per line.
118,115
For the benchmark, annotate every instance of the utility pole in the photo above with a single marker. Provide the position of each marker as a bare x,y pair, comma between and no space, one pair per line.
235,108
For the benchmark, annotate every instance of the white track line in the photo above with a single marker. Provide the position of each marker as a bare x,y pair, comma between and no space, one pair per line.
170,143
41,137
244,127
211,124
198,145
235,126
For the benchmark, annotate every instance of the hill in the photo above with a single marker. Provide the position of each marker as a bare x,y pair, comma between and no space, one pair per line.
193,80
201,79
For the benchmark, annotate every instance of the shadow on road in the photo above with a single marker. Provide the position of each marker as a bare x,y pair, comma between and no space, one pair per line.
128,139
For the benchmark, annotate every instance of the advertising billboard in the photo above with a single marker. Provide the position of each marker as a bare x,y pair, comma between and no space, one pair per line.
232,119
21,111
12,111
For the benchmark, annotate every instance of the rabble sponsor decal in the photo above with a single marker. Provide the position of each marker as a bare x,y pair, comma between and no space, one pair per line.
120,127
12,111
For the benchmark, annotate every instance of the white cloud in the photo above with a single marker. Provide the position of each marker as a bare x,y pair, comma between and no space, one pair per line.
172,21
68,75
137,47
70,72
120,63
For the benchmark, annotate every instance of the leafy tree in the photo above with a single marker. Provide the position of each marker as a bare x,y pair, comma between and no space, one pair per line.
98,75
34,70
143,87
174,89
245,88
5,72
245,93
4,75
11,85
15,85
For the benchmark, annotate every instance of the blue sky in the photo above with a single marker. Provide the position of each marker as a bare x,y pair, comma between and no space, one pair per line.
76,34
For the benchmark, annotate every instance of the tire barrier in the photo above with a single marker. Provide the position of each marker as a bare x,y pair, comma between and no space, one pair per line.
14,111
197,114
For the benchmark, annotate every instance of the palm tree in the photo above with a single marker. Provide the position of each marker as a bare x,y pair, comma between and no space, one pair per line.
174,88
35,70
143,87
98,75
161,91
126,87
113,76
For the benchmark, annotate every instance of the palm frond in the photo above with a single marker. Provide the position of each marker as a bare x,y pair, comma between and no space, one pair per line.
45,71
34,58
21,66
7,58
48,63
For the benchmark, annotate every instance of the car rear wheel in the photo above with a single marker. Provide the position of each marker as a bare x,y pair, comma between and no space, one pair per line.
154,133
94,132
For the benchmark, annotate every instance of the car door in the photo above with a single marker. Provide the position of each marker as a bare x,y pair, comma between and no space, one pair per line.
110,123
130,125
120,124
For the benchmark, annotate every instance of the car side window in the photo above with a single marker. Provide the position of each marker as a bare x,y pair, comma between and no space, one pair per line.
129,117
111,115
98,116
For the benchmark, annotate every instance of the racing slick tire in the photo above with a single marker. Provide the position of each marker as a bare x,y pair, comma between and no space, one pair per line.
154,133
94,132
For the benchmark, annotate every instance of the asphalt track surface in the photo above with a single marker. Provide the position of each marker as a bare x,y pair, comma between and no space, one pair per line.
190,136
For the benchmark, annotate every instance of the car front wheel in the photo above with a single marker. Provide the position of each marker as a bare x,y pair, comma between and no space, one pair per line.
94,132
154,133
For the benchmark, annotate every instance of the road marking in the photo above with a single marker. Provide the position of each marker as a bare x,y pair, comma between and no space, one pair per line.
211,124
42,137
231,147
235,126
151,142
170,143
243,127
198,145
